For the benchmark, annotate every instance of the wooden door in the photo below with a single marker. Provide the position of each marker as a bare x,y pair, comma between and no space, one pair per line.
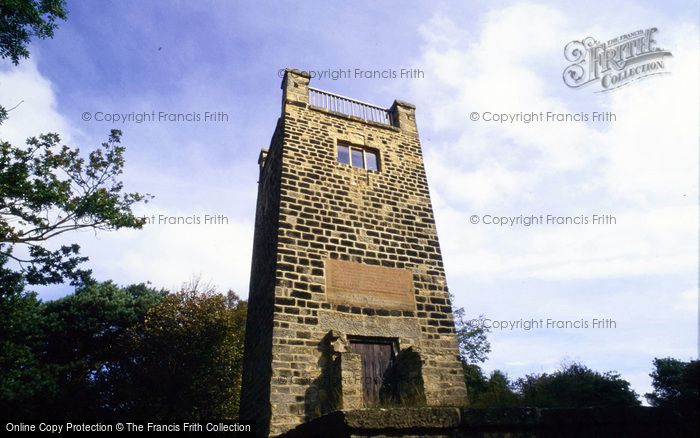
376,359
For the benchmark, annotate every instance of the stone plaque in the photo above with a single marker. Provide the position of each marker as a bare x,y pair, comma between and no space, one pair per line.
360,285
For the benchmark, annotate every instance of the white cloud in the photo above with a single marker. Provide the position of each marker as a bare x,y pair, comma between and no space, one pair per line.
687,301
653,154
643,169
37,112
165,255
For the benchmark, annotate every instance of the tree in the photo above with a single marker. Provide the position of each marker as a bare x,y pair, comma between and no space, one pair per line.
89,350
109,352
191,350
675,383
473,344
71,357
499,391
576,385
474,380
474,348
494,391
46,190
23,377
22,19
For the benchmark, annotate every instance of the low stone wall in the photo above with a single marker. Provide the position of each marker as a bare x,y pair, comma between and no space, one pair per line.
498,423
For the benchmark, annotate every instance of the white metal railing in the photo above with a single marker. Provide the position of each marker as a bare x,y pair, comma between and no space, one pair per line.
349,107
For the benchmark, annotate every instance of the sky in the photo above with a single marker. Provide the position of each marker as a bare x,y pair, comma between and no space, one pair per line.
500,57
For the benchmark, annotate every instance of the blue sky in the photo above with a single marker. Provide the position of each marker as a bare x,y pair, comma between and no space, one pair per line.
501,56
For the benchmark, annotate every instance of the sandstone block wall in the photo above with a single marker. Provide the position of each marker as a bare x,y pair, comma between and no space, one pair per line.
312,211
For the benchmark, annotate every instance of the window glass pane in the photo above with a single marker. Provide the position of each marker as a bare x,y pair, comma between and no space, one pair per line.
372,163
357,158
343,154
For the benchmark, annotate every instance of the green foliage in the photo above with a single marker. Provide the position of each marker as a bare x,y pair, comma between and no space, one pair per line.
46,190
104,351
20,20
22,376
89,347
120,352
201,377
494,391
473,344
676,384
573,386
474,379
499,391
576,385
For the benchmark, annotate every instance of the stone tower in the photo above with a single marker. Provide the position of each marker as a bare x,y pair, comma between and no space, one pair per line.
348,303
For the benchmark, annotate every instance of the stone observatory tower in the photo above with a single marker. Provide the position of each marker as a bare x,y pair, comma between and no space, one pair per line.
348,303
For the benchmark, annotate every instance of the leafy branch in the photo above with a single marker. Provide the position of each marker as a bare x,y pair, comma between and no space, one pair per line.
49,189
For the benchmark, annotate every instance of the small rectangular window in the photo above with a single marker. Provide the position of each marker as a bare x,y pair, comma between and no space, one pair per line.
343,154
371,159
358,156
357,159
